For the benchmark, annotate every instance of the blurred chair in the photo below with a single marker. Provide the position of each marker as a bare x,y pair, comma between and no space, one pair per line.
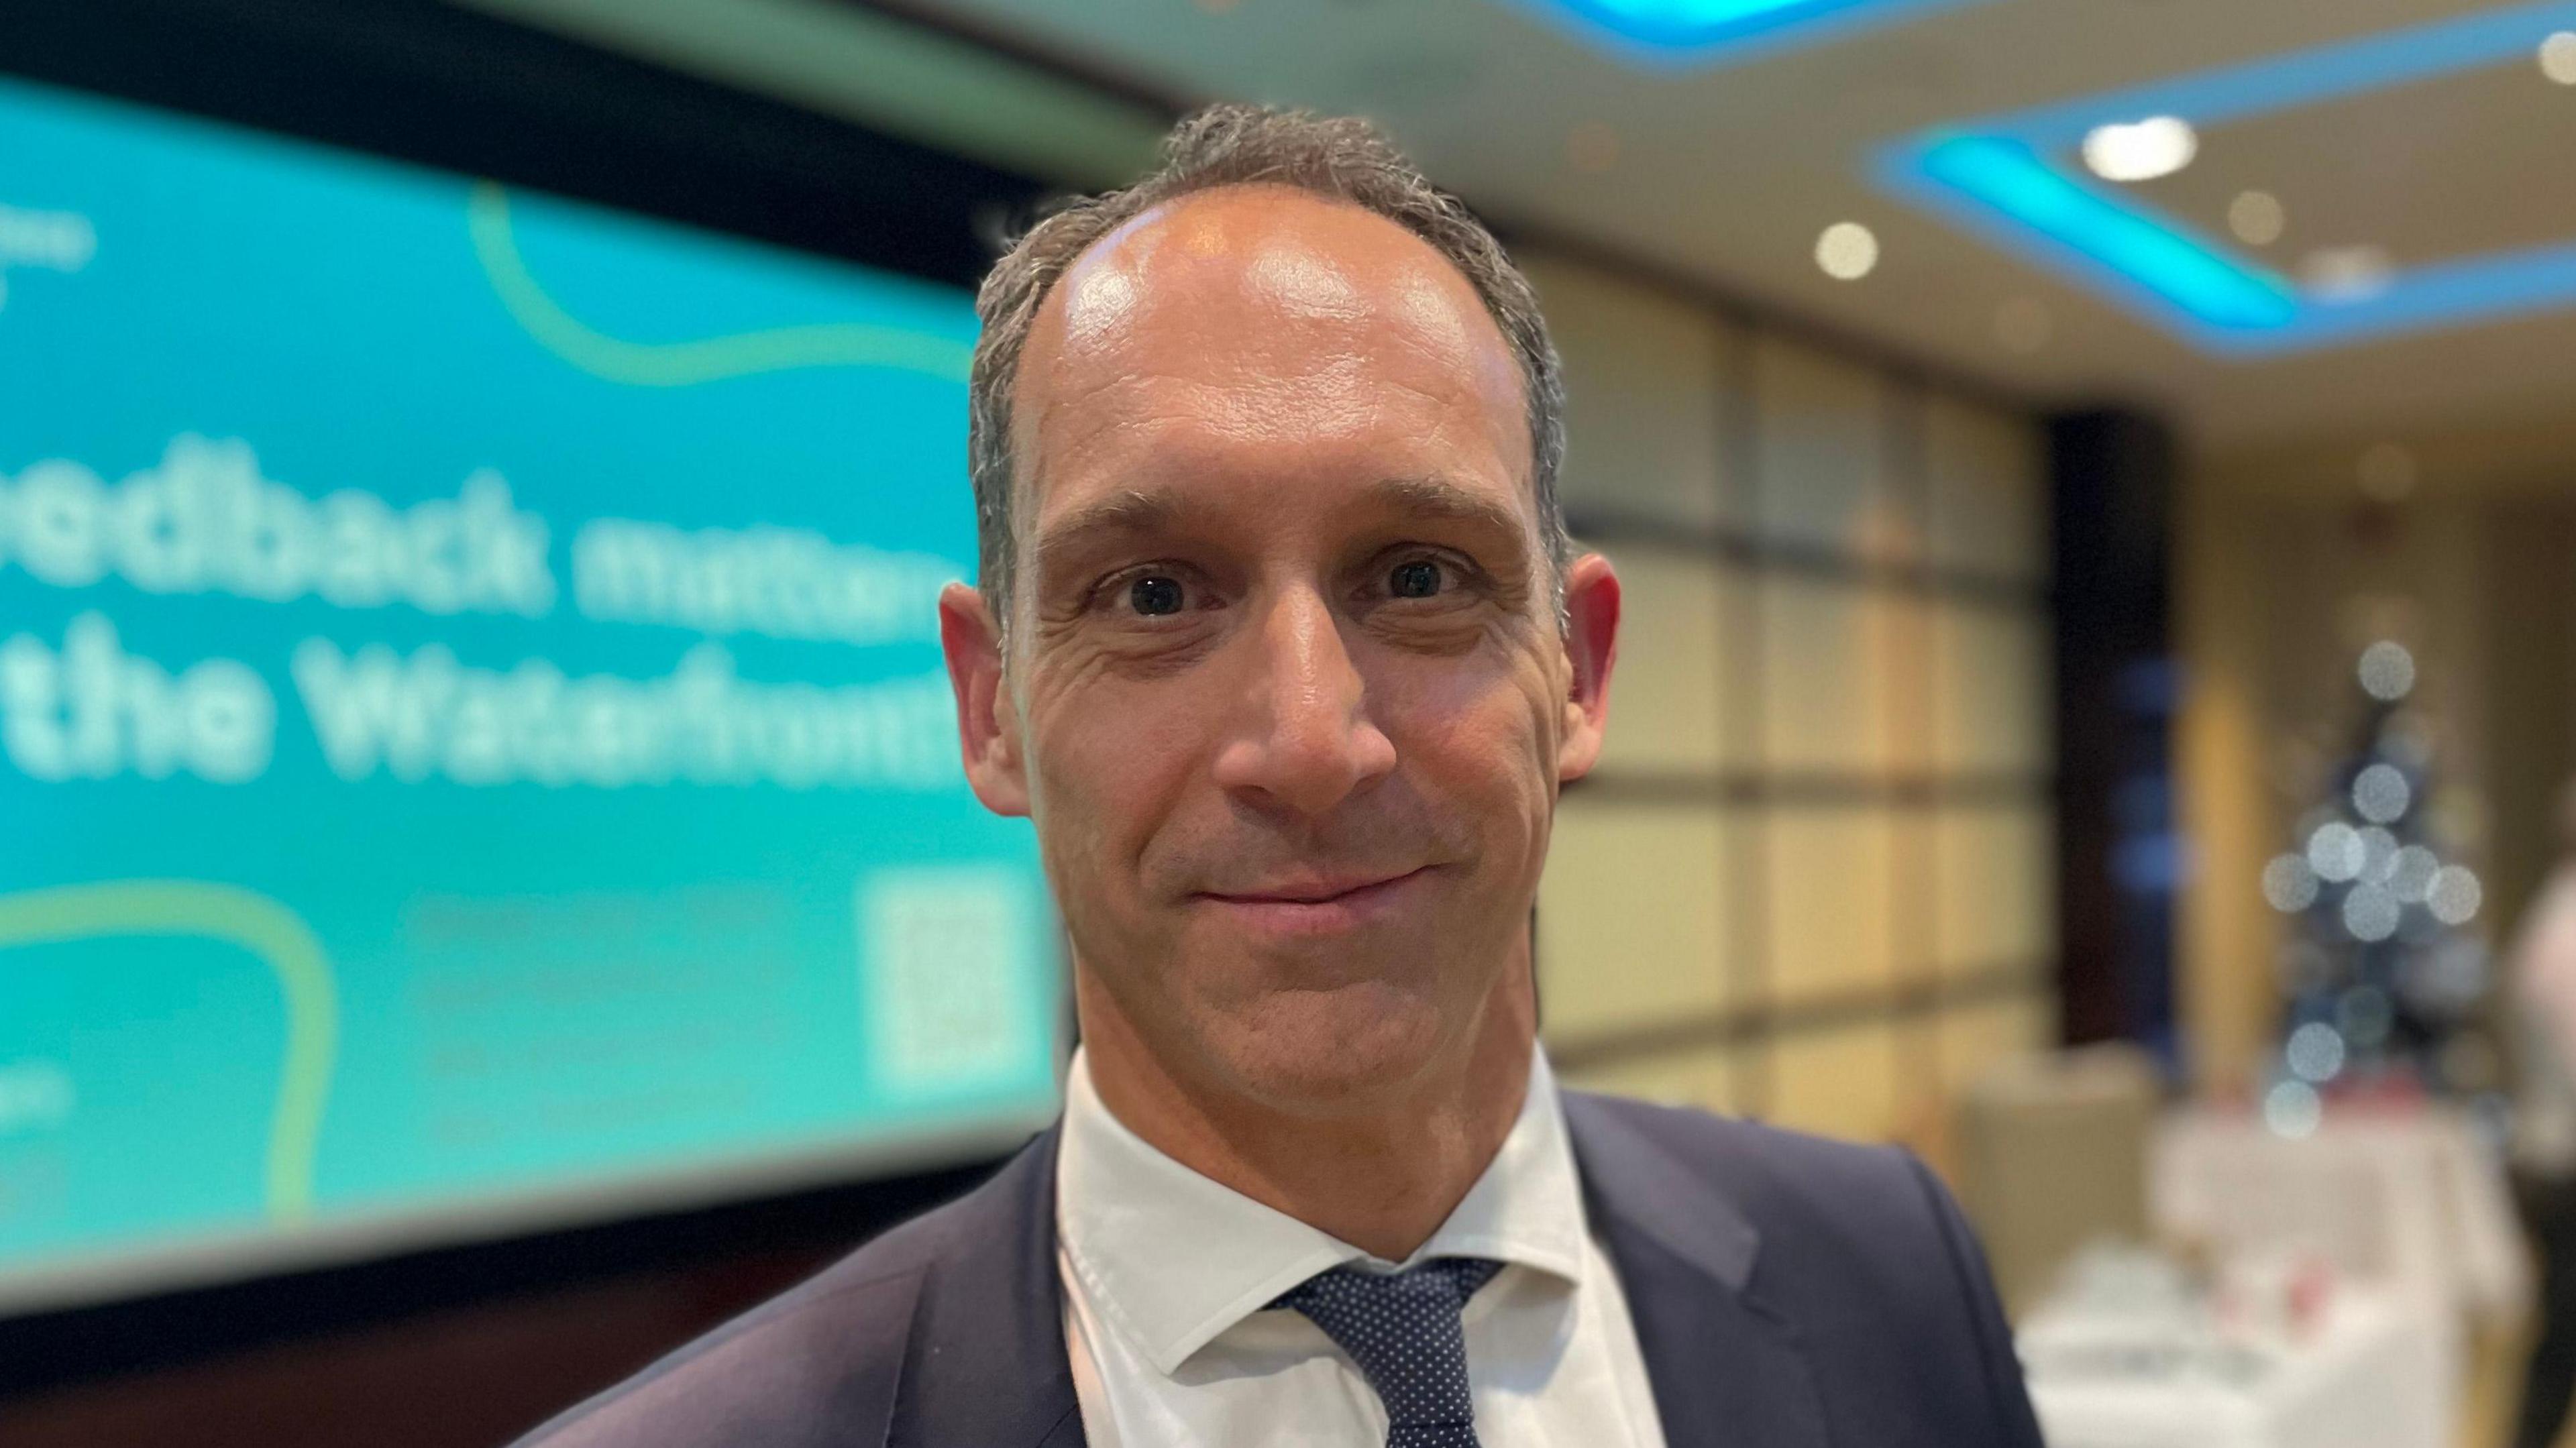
2052,1153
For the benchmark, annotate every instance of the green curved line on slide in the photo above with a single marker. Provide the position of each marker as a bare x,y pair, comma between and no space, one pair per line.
254,922
686,364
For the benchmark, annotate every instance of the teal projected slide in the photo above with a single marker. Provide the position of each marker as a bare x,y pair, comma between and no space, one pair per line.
473,744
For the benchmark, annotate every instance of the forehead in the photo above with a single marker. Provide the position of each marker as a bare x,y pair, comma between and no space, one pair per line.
1260,322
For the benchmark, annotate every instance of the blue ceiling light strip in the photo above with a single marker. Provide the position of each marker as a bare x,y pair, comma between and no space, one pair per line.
1665,33
2010,179
2448,294
2305,78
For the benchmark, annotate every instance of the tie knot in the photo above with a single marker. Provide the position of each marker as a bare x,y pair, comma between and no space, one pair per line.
1402,1330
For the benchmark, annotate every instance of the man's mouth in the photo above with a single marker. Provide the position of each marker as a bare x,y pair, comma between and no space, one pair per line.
1319,905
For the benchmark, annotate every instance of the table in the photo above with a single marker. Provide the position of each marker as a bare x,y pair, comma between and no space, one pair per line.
2406,1197
2374,1375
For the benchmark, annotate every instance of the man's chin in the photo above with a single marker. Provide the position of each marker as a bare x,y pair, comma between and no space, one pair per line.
1325,1052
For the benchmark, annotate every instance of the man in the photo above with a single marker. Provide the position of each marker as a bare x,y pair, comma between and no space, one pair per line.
1281,647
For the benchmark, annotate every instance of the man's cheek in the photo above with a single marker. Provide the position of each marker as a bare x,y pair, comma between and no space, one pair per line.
1478,741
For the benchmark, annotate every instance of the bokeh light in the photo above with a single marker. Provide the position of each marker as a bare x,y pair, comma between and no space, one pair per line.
2410,874
2558,57
2292,1109
2454,895
2289,885
2378,853
2371,913
2387,670
1847,251
2315,1052
2335,852
2257,218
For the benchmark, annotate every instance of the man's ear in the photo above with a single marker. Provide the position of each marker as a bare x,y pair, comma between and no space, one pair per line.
1591,645
988,728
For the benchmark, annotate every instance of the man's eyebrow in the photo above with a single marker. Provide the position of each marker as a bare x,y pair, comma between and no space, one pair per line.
1123,514
1134,513
1436,497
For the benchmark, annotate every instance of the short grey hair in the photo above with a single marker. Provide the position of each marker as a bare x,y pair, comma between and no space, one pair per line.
1343,158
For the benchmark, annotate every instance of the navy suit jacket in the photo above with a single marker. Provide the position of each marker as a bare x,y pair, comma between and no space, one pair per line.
1788,1293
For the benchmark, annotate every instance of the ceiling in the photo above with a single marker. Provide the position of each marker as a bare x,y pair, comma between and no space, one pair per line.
1727,171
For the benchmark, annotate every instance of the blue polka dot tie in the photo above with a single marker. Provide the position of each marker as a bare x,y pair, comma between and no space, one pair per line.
1402,1329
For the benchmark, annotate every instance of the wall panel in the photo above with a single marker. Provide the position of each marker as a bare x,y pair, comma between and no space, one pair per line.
1811,879
1976,1038
1991,679
1992,905
1665,691
1830,873
1987,479
1705,1078
1631,920
1822,472
1644,431
1827,687
1840,1082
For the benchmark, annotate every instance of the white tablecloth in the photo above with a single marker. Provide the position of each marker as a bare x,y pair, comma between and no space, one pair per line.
2373,1376
2406,1199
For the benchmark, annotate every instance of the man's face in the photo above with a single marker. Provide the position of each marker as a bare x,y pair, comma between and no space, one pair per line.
1285,694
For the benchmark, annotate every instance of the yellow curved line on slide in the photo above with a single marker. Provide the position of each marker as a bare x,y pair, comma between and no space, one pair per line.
686,364
256,923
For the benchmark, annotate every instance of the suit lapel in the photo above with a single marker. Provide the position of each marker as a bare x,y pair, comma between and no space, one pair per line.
1724,1368
986,1363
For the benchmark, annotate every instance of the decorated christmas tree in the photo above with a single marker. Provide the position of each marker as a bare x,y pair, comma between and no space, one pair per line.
2379,975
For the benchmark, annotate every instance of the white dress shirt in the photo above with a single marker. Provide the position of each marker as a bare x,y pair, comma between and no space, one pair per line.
1167,1274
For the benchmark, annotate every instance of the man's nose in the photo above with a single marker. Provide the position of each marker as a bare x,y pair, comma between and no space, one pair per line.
1305,740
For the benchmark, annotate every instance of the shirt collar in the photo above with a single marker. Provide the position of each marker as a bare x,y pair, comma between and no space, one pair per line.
1173,1258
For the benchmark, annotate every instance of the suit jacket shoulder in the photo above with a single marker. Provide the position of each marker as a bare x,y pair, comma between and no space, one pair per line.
926,1334
1857,1253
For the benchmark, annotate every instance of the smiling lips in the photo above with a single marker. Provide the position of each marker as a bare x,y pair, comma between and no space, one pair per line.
1321,906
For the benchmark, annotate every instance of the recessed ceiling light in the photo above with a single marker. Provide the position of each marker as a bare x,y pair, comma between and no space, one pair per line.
2558,57
2256,217
2346,273
2141,150
1847,251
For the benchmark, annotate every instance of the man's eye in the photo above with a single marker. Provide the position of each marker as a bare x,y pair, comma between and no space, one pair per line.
1419,578
1155,595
